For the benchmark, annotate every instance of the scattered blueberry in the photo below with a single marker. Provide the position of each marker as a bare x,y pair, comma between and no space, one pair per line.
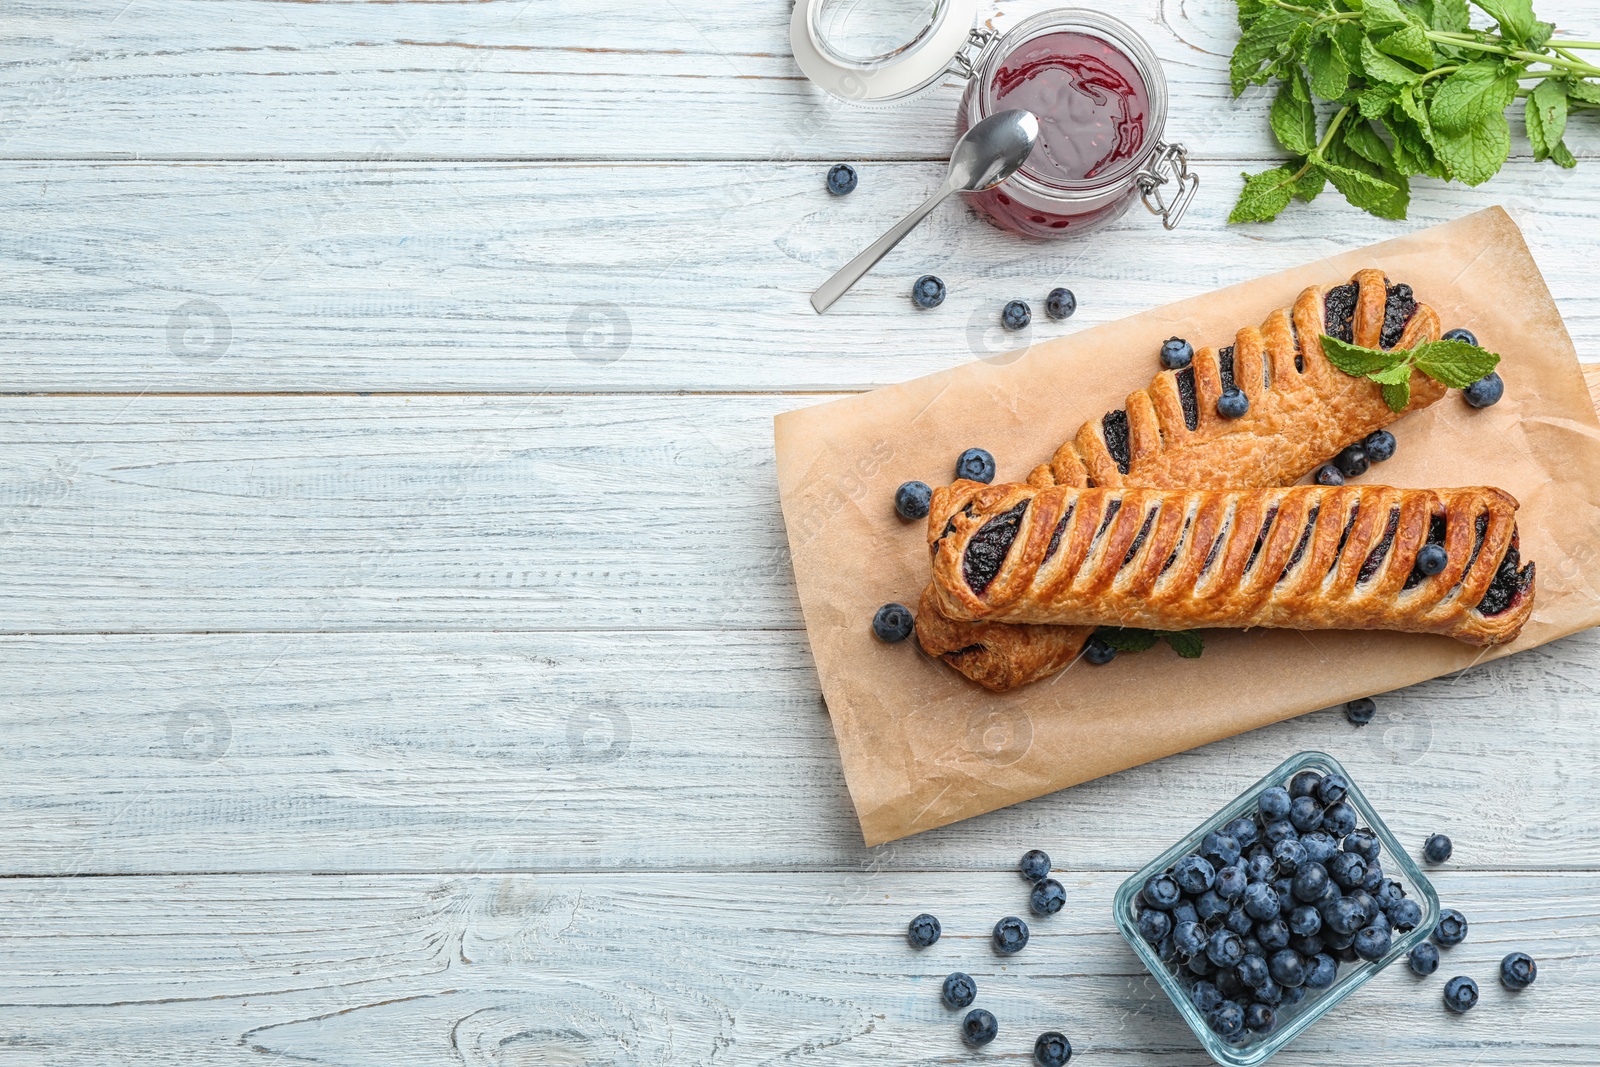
1287,968
1405,915
1361,711
923,931
1460,994
1194,874
927,291
1423,960
892,623
1048,897
1016,315
975,465
1226,1019
1437,848
1010,935
1459,334
1176,353
1328,474
1379,445
1098,652
1331,790
1452,928
1517,971
1432,559
959,990
979,1027
1052,1049
1352,462
1373,942
1233,404
1189,938
1306,814
1321,971
841,179
1225,949
1274,803
1204,996
1060,304
911,500
1259,1018
1034,865
1485,391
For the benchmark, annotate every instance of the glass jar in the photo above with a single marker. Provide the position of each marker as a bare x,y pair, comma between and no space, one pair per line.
1095,85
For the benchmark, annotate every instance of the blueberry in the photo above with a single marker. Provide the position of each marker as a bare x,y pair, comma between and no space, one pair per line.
1284,887
1274,832
1339,819
1034,865
975,465
1239,920
1369,907
1330,893
1233,404
1204,996
928,291
1308,945
959,990
1320,846
1452,928
1226,1019
1332,789
1051,1049
1389,893
1176,353
1344,916
1016,315
979,1027
1194,874
1209,905
1230,882
1517,971
1167,950
1347,870
1161,891
1048,897
1363,843
1200,965
1184,912
1220,849
1372,943
1335,941
841,179
1459,334
1273,934
1225,949
1437,848
923,931
1289,853
1304,784
1352,461
1274,803
1423,960
1374,877
1293,996
911,500
1460,994
1321,971
1361,711
1305,919
1010,935
1244,831
1405,915
1254,947
1346,954
892,623
1306,815
1379,445
1310,881
1431,559
1328,474
1259,849
1098,652
1189,938
1259,1018
1269,992
1287,968
1261,868
1485,391
1252,971
1060,304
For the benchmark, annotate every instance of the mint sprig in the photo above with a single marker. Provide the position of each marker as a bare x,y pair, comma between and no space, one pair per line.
1418,92
1456,364
1186,643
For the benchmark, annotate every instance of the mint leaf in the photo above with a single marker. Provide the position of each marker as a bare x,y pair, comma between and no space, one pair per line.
1395,375
1186,643
1294,120
1411,44
1587,92
1310,184
1540,35
1469,95
1546,117
1412,152
1364,141
1514,16
1358,361
1379,16
1561,156
1476,155
1260,43
1330,74
1126,639
1264,196
1451,16
1385,199
1376,101
1454,363
1398,397
1385,69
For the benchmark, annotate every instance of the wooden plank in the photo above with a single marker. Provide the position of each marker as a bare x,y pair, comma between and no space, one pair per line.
650,751
693,968
482,277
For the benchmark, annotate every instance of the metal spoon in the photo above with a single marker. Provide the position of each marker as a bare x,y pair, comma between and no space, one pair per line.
986,155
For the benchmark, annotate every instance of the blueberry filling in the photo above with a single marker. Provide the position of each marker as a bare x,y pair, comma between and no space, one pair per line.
1480,528
1191,407
1508,582
1375,558
1261,538
1349,524
988,547
1112,507
1138,539
1340,312
1300,546
1225,367
1115,427
1435,537
1299,357
950,525
1398,307
964,651
1211,555
1183,536
1055,535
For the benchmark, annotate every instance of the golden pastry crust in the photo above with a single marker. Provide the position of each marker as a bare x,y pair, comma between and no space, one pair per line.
1305,557
1303,411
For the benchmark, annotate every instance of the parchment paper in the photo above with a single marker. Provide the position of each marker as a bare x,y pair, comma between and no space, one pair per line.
923,747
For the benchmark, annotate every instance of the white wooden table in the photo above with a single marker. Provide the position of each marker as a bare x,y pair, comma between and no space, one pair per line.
400,662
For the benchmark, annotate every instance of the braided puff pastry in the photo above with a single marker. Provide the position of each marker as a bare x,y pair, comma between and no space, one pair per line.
1305,557
1303,410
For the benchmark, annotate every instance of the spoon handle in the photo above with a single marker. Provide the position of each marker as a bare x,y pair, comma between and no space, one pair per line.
851,272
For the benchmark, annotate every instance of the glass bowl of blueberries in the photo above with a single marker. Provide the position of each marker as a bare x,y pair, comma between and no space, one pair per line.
1275,909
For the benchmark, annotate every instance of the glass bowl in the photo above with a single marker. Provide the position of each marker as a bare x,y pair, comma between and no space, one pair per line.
1252,1048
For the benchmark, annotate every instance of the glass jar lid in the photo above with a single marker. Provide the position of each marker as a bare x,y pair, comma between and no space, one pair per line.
879,51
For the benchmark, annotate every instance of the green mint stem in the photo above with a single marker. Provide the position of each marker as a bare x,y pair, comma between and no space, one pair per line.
1461,40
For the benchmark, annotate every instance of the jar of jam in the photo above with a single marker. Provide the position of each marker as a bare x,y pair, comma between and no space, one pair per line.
1095,85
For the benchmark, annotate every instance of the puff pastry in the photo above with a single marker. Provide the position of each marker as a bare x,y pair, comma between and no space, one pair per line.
1303,410
1306,557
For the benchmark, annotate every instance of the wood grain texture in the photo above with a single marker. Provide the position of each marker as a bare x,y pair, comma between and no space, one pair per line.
681,968
665,750
512,278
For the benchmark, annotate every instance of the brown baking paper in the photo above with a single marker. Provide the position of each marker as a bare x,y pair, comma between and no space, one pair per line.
923,746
